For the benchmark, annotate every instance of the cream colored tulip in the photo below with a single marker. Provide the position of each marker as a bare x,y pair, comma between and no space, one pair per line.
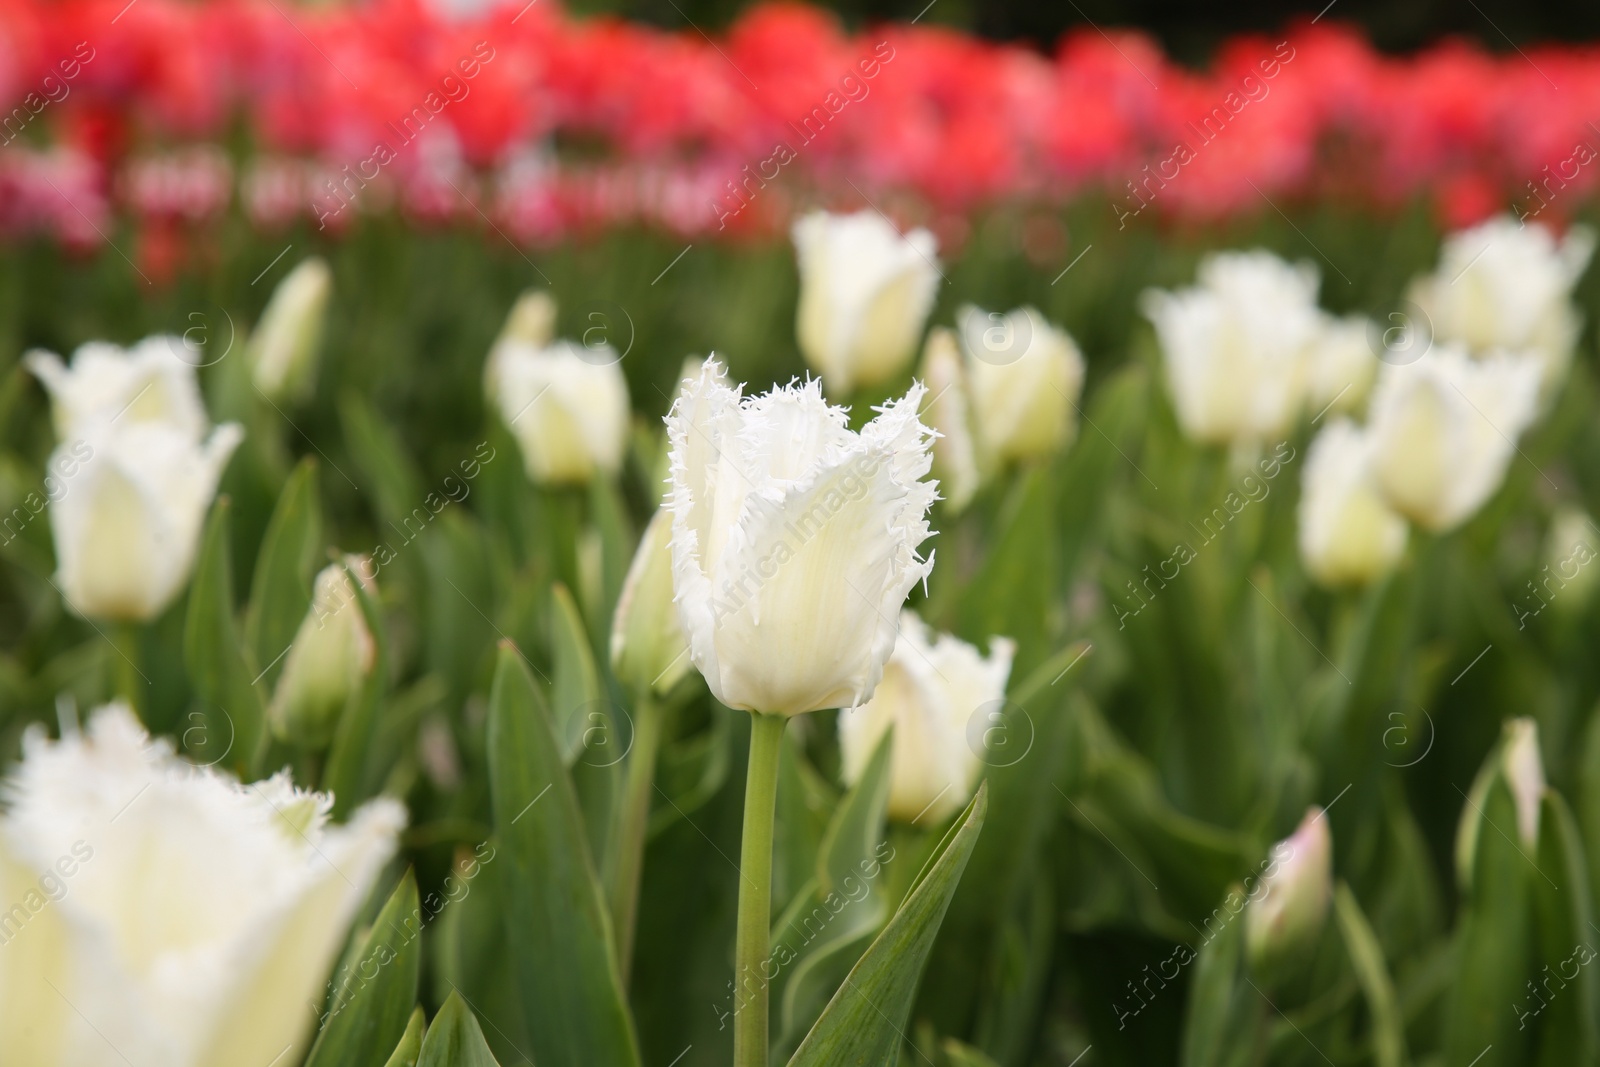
531,321
1341,364
1348,534
1290,903
949,413
1025,377
865,292
1515,760
567,406
153,912
332,652
933,690
152,382
283,348
794,540
648,648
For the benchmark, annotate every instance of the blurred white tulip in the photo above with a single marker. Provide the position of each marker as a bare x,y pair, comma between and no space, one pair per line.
1348,534
1025,376
1571,546
931,692
1445,427
794,540
567,405
1341,364
648,648
1236,346
865,292
1290,903
151,382
949,413
332,652
284,346
531,321
153,912
1515,759
1507,285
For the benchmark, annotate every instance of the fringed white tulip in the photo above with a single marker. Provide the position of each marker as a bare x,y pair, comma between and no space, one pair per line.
865,292
567,406
1235,347
1282,923
284,345
151,382
332,652
1444,428
949,413
1348,534
181,919
1025,376
932,691
1341,364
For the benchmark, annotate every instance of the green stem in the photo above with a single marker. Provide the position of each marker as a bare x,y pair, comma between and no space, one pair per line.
130,684
635,823
755,893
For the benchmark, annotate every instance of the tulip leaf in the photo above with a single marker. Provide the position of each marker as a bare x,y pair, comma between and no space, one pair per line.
616,543
280,590
380,453
455,1039
575,689
864,1021
409,1050
377,988
691,771
594,736
351,771
1564,911
959,1055
220,666
1383,1004
856,829
1223,1019
557,924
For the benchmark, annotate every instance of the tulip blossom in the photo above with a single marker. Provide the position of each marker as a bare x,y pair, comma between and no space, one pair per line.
1348,534
1025,377
332,651
1504,284
152,382
531,321
180,918
1341,364
949,413
648,648
283,347
1235,346
567,405
794,540
1286,913
1444,429
1516,761
865,292
932,691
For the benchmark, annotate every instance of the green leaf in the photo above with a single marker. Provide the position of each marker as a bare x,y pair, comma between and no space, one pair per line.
351,775
616,542
280,591
1564,913
856,830
409,1050
220,667
1223,1021
576,686
864,1021
959,1055
557,923
380,453
378,988
1383,1004
455,1039
590,729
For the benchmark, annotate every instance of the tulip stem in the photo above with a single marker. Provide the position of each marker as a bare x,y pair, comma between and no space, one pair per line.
634,826
755,893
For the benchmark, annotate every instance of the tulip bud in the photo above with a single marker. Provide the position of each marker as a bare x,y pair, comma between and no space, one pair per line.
1285,919
127,527
648,649
794,540
567,405
1444,429
1572,545
532,321
1348,535
1025,377
1341,364
955,458
151,382
332,652
865,292
191,917
931,691
1516,758
1235,347
283,347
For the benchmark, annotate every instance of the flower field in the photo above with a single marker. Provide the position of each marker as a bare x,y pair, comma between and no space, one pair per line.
528,539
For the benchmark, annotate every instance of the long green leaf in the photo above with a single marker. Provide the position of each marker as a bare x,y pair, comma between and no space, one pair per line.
455,1039
220,667
378,988
409,1050
1383,1005
280,590
350,775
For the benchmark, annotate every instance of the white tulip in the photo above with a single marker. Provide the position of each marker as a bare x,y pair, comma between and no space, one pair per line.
567,405
648,648
794,540
128,525
1236,346
1524,770
1025,376
949,413
1348,534
865,292
332,652
283,346
1341,364
1290,902
1444,428
1505,284
152,382
1571,546
159,913
531,321
932,692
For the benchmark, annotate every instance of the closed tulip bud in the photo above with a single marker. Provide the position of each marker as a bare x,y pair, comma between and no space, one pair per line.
127,524
949,413
1572,545
1235,347
1348,534
1341,364
284,346
190,918
1025,377
648,649
532,321
567,405
332,652
794,540
1286,911
1444,428
1504,284
151,382
931,692
1515,759
865,292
